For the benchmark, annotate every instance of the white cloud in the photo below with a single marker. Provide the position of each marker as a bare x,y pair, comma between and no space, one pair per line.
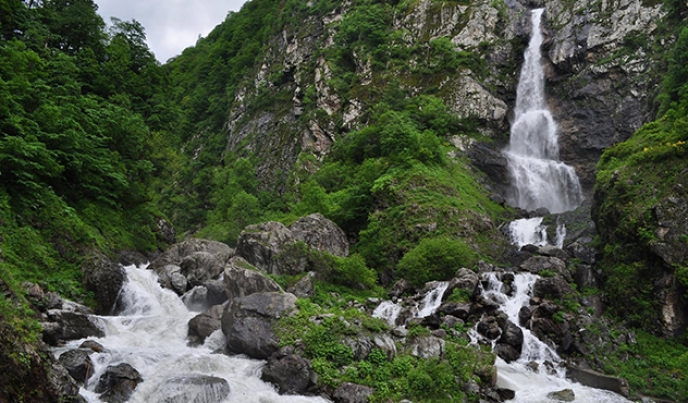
171,25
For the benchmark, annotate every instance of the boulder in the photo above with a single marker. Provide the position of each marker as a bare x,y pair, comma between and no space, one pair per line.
304,288
551,287
506,352
105,279
177,252
400,288
196,298
248,322
78,363
349,392
262,245
92,345
65,325
192,389
322,234
117,383
459,310
489,327
536,264
597,380
199,267
512,335
465,280
62,383
426,347
166,232
289,372
170,276
203,325
360,346
241,279
565,395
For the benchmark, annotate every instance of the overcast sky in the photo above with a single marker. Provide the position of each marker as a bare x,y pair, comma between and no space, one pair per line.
171,25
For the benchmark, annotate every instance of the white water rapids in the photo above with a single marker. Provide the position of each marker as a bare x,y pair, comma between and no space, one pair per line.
532,386
150,335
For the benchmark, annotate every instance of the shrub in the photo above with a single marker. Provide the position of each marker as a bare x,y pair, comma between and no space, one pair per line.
435,259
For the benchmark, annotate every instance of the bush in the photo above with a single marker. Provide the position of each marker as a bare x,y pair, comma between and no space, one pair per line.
435,259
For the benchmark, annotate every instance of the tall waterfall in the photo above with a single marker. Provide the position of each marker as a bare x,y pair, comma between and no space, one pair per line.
539,179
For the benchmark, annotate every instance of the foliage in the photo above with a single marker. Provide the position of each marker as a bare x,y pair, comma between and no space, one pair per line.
435,259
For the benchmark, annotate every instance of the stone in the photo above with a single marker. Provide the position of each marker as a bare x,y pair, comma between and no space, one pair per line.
203,325
201,266
92,345
262,245
536,264
62,384
426,347
176,253
321,234
166,231
247,322
78,363
349,392
192,389
512,335
506,352
400,288
117,383
565,395
69,326
304,288
242,279
551,287
105,279
597,380
464,279
489,327
456,309
289,372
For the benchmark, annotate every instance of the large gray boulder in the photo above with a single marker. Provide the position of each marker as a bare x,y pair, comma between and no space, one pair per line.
199,267
78,363
465,280
288,371
177,252
192,389
203,325
242,279
537,264
118,382
322,234
65,325
349,392
597,380
105,279
248,322
269,247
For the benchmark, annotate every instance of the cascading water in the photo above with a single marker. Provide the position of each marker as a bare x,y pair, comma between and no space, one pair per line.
532,383
150,335
539,179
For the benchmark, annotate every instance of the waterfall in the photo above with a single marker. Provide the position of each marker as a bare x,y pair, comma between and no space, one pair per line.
432,300
150,335
538,371
539,179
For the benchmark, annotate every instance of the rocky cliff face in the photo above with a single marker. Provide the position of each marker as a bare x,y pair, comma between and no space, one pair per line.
599,70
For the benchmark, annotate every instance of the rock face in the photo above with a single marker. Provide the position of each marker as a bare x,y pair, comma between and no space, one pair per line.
104,278
192,389
65,325
597,380
247,322
262,246
118,382
349,392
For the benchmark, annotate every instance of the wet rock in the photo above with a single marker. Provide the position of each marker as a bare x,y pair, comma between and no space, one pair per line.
62,384
288,371
247,322
131,257
524,315
565,395
489,327
117,383
92,345
104,278
241,279
203,325
537,264
512,335
321,234
400,288
465,280
170,276
597,380
506,352
192,389
552,251
505,394
349,392
585,277
65,326
78,363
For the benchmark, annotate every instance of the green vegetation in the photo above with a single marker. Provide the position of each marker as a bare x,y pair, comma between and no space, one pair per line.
326,335
435,259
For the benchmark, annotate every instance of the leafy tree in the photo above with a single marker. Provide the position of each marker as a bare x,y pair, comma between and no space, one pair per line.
435,259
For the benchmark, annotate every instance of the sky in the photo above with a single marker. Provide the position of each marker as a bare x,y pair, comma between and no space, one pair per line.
171,25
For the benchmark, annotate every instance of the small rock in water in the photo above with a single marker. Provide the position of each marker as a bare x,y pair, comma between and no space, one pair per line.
565,395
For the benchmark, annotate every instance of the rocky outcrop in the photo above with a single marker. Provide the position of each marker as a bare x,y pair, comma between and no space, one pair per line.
78,363
242,279
192,389
176,253
62,325
117,383
248,322
321,234
104,278
597,380
262,246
